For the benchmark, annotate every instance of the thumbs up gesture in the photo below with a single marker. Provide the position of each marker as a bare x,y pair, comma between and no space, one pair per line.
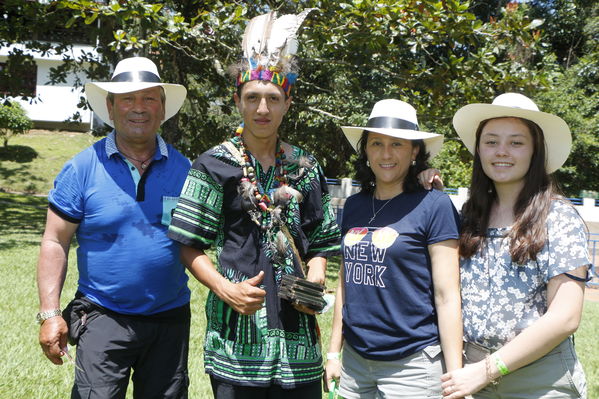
245,297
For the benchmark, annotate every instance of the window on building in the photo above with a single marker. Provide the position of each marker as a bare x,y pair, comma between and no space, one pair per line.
20,80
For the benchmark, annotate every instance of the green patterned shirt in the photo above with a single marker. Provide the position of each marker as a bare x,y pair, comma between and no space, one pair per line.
276,345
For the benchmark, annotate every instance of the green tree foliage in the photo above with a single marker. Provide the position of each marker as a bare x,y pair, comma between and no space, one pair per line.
13,120
436,54
575,95
566,26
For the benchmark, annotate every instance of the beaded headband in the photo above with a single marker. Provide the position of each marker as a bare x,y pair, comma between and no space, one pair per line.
286,81
269,47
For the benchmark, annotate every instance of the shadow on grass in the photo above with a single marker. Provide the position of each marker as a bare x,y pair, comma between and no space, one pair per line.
23,219
22,156
18,153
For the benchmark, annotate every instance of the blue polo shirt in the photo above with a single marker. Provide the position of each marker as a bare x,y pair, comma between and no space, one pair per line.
125,260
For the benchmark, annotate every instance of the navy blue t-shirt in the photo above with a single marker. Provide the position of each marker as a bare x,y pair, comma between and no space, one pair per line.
389,311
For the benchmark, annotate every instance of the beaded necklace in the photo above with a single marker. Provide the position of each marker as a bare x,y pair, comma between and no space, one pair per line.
267,211
263,201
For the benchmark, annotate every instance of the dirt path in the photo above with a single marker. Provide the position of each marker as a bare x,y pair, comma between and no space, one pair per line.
593,227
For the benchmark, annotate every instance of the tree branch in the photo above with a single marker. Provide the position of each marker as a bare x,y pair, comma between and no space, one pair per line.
314,109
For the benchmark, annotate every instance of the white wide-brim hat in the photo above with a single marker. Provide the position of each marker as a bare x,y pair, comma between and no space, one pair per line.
133,74
394,118
558,139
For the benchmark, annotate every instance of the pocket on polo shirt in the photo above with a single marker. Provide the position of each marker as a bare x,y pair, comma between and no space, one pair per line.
168,207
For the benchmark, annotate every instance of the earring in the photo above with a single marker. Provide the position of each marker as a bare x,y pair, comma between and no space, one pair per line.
413,162
368,163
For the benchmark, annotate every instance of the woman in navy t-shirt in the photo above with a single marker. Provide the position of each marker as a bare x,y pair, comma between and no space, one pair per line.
397,314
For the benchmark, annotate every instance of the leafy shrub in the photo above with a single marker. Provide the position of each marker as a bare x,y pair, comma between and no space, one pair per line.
13,120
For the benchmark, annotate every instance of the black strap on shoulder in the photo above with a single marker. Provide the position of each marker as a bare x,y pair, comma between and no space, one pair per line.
585,279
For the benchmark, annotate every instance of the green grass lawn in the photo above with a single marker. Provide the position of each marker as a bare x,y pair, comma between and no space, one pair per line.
587,346
30,162
25,372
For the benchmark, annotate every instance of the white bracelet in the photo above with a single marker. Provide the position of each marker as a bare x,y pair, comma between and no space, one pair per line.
333,356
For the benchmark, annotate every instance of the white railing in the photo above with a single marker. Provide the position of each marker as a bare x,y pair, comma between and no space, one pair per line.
340,189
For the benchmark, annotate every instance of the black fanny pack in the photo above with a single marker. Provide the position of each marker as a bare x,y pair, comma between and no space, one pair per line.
77,314
81,311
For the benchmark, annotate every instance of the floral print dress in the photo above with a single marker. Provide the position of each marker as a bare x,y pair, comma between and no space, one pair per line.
500,298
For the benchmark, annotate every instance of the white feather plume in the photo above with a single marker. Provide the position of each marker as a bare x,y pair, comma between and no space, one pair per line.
270,39
255,36
282,40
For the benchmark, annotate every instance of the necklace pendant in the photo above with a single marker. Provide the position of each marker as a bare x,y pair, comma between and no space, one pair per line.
143,166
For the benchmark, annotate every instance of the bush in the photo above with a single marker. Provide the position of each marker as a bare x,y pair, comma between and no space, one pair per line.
589,194
13,120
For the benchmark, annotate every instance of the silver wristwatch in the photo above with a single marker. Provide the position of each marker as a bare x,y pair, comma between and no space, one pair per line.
43,316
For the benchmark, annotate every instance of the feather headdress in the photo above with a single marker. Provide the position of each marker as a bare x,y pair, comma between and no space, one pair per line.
269,46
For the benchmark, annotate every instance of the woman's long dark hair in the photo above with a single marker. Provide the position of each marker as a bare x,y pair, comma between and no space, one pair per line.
367,179
529,232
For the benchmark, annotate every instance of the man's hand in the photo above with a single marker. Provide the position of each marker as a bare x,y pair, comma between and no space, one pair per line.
245,297
53,337
51,272
316,274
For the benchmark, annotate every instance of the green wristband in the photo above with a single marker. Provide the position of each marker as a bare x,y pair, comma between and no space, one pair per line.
333,391
503,370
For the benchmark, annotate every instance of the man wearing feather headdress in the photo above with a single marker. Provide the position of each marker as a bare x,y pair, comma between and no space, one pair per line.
264,205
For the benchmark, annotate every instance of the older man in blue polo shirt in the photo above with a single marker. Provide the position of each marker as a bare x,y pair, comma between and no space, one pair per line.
131,309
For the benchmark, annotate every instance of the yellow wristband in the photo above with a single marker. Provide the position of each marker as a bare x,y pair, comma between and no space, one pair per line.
503,370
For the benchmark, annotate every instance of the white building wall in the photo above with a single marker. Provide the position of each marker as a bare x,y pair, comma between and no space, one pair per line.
53,104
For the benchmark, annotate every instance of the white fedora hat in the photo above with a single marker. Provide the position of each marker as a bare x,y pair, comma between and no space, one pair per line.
397,119
133,74
558,139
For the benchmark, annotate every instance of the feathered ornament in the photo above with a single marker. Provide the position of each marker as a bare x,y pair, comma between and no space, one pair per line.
246,192
269,45
282,40
303,163
279,247
276,216
267,39
255,38
283,195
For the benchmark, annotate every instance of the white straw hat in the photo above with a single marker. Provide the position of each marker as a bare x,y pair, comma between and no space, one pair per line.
133,74
558,139
397,119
